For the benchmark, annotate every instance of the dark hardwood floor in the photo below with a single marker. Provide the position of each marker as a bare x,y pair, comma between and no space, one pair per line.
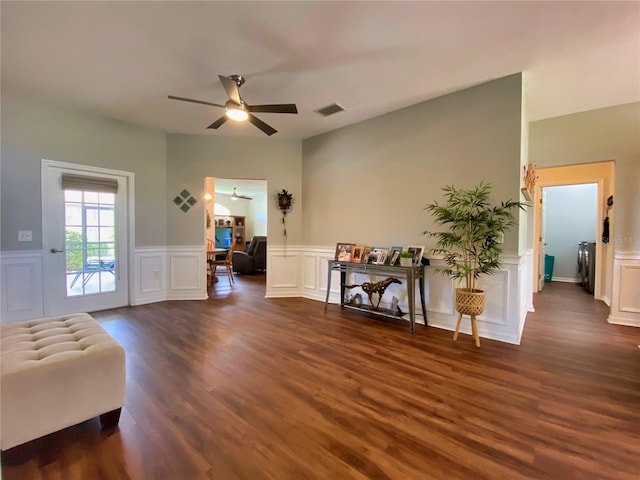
242,387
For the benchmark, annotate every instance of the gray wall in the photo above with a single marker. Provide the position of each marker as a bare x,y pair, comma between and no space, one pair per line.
611,133
32,131
191,158
259,219
368,183
570,218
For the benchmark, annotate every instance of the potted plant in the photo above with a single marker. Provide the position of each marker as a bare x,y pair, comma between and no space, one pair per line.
471,242
406,259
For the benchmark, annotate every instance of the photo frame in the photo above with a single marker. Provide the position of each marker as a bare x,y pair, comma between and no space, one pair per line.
344,251
394,255
417,251
356,254
380,254
372,258
366,253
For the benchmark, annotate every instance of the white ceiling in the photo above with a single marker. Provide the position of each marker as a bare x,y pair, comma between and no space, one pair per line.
122,59
249,188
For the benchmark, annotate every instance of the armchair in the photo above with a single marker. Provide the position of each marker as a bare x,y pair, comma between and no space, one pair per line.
253,259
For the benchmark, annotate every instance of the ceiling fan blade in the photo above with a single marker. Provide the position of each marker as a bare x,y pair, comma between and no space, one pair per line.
231,195
269,130
235,196
231,87
182,99
218,122
281,108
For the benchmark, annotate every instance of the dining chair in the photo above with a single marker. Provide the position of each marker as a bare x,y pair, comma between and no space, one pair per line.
226,263
211,257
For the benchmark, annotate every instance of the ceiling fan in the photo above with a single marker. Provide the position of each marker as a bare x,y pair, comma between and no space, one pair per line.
237,109
234,195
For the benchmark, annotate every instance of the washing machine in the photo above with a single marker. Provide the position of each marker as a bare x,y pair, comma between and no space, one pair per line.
582,263
587,265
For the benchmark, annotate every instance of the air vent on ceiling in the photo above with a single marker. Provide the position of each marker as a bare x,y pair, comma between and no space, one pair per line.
330,109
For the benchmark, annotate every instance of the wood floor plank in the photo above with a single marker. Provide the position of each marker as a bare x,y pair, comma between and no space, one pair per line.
243,387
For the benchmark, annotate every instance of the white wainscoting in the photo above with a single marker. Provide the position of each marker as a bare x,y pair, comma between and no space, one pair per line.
169,273
151,274
526,288
303,271
159,273
21,285
625,301
284,272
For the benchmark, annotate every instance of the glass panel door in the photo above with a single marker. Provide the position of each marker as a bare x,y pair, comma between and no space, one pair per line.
85,241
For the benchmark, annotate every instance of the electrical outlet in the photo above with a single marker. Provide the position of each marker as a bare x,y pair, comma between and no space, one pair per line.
25,235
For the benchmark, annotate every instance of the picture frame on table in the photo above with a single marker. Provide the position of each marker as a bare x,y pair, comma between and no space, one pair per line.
356,254
366,253
394,255
417,251
344,251
381,255
373,257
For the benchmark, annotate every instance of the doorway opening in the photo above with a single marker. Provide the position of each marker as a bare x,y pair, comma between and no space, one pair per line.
569,233
599,174
236,219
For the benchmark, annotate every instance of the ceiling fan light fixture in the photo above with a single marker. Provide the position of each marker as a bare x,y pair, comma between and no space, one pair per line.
234,195
236,112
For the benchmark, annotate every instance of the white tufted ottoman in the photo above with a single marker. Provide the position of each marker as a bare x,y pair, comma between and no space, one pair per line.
57,372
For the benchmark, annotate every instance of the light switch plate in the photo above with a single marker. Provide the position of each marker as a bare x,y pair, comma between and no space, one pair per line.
25,235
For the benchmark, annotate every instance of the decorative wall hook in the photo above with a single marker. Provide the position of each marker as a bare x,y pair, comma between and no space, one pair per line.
285,202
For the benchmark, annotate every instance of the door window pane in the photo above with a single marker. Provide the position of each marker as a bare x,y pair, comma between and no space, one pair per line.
91,197
91,216
73,214
107,218
90,242
72,196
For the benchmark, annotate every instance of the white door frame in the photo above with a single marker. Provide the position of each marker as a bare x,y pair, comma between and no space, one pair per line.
87,169
598,173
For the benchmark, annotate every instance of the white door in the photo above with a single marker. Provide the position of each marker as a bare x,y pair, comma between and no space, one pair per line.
85,217
541,239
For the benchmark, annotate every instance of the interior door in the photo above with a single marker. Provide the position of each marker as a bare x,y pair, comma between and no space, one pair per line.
541,239
85,235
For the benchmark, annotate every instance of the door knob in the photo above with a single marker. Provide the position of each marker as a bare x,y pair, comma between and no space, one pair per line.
55,250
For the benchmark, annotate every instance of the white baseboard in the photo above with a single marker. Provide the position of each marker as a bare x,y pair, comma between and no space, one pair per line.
629,322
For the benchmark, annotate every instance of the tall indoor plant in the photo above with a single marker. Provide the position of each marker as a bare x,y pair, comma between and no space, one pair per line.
471,241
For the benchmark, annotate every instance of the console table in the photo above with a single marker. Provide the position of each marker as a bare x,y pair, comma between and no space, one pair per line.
411,274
